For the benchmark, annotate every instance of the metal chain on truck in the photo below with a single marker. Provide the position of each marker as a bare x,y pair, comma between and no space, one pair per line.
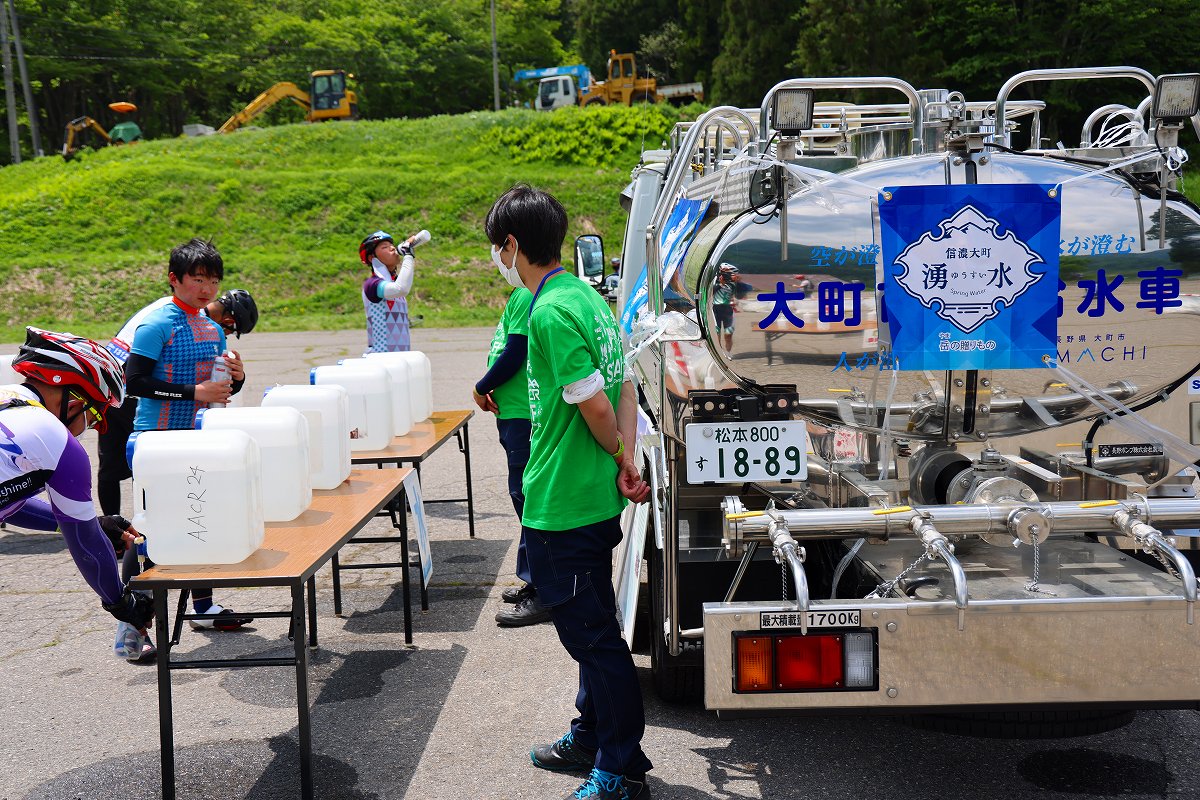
1032,586
884,589
783,574
1167,565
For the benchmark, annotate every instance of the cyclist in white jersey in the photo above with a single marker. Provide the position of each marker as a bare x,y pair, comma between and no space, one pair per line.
70,384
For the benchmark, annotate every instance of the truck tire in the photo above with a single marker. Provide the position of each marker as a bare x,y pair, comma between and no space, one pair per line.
642,97
596,102
677,679
1060,724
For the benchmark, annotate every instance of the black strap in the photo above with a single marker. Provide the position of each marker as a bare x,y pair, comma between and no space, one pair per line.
24,486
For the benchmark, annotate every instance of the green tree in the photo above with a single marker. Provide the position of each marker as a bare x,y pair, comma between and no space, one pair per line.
699,39
976,45
757,42
604,25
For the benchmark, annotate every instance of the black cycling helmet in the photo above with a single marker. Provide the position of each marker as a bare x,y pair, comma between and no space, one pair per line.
241,305
366,250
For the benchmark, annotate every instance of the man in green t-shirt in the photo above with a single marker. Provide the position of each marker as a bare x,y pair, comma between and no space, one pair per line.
583,411
504,391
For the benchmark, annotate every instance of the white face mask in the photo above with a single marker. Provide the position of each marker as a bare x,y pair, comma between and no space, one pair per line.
509,273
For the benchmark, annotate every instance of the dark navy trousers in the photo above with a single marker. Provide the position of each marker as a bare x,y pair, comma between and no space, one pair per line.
572,571
514,438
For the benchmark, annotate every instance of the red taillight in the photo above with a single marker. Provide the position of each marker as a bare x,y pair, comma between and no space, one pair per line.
753,663
836,661
808,662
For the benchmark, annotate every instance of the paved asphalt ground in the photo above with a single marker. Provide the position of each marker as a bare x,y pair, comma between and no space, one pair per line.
454,715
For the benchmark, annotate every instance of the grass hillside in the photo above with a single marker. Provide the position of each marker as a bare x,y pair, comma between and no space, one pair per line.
84,244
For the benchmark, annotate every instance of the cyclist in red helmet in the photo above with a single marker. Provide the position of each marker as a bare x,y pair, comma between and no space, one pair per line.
70,384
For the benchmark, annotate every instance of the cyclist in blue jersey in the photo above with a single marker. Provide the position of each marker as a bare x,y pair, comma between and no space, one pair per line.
70,385
235,311
170,368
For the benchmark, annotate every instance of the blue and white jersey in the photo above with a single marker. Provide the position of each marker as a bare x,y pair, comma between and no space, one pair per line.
120,344
183,343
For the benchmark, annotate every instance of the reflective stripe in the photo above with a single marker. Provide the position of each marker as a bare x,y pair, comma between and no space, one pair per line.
81,510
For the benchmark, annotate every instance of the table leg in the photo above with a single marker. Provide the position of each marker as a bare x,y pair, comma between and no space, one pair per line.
179,612
304,733
337,586
466,448
421,576
166,729
402,526
312,611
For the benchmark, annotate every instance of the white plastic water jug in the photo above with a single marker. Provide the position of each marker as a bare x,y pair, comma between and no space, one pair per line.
420,377
370,391
398,371
282,436
7,373
327,409
199,495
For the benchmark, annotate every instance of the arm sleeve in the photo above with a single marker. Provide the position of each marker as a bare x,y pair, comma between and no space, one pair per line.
390,290
140,381
70,491
507,364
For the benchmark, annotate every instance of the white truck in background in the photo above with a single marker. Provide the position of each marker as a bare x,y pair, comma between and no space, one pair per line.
573,85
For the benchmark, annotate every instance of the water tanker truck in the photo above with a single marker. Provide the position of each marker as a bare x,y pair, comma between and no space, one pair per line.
918,406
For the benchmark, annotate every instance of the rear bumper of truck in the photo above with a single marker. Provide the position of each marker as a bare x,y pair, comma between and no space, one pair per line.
1108,648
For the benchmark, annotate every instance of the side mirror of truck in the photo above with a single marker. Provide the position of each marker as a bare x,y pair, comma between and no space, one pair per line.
589,258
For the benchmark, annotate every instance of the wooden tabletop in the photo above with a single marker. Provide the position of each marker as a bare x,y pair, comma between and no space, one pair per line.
419,443
292,551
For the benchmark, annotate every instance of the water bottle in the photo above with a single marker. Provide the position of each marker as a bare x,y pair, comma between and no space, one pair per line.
129,641
419,238
220,374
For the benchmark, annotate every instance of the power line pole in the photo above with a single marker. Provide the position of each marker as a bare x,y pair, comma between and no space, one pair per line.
10,103
495,61
30,108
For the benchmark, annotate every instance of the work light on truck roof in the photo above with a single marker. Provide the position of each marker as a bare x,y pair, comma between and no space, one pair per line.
792,111
1177,97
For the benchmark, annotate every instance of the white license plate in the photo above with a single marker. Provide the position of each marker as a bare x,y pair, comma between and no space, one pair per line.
844,618
736,452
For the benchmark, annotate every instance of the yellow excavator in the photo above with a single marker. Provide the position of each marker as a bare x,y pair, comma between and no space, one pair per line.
327,98
125,132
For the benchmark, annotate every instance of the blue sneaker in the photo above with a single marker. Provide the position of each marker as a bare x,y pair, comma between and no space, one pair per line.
602,785
565,755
